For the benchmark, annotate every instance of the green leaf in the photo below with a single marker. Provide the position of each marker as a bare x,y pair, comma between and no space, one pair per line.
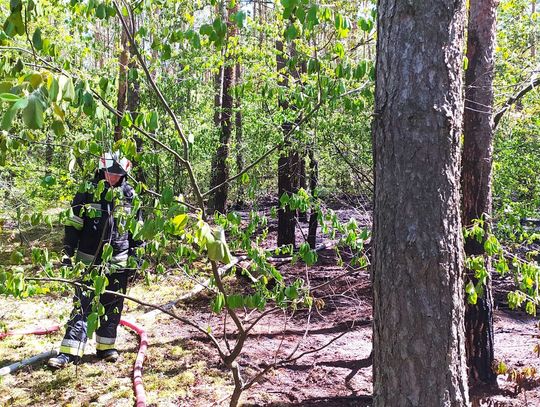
472,296
166,54
218,303
94,149
54,90
92,324
240,19
179,222
153,121
68,90
291,32
206,29
36,39
167,195
101,11
284,200
9,97
9,115
48,180
126,120
311,17
235,301
58,128
339,50
291,292
365,24
107,252
530,308
103,82
35,79
16,257
89,104
33,113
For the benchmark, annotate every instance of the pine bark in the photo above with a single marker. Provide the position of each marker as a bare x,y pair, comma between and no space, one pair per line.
477,158
220,168
418,343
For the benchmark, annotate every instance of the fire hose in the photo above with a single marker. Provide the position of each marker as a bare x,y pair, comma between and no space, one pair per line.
138,388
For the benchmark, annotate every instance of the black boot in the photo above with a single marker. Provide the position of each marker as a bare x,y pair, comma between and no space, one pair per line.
62,360
109,355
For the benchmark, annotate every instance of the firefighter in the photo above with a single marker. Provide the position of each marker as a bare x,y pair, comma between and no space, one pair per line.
92,225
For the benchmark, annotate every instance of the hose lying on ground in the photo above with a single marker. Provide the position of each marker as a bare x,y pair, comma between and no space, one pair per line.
31,331
27,362
138,388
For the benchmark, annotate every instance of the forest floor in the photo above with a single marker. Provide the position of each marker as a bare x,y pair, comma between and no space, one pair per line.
183,369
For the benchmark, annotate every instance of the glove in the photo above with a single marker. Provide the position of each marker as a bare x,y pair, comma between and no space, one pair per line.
66,261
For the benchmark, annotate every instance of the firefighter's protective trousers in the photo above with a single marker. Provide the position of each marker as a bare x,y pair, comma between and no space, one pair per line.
76,334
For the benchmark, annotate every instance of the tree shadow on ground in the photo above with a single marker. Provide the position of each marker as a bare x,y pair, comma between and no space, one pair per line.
343,401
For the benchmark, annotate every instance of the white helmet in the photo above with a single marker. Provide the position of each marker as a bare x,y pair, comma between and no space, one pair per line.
111,162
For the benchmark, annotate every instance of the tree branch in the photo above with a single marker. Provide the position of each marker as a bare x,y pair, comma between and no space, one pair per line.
515,98
140,302
165,104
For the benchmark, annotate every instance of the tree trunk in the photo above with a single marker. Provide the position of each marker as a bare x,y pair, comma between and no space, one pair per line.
418,300
220,168
238,129
302,183
122,83
476,178
313,182
286,168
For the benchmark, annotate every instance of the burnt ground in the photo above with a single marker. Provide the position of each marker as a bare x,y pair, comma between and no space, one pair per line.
183,369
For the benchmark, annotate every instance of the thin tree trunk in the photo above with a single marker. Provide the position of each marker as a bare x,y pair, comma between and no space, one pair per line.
239,136
122,83
477,160
302,183
220,168
533,39
418,296
313,183
286,167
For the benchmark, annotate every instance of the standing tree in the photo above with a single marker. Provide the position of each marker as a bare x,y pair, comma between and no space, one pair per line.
476,180
419,350
223,118
122,82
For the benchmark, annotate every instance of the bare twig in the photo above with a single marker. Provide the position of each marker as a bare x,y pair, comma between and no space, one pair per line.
513,99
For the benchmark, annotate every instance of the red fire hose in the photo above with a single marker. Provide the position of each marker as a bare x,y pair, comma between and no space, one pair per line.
138,388
34,331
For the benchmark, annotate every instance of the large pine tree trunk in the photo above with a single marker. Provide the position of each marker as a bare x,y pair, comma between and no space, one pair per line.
220,168
476,177
418,342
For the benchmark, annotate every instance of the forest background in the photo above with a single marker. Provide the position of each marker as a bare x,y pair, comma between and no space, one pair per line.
256,110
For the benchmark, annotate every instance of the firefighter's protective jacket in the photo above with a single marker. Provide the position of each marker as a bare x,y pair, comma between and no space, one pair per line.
94,222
